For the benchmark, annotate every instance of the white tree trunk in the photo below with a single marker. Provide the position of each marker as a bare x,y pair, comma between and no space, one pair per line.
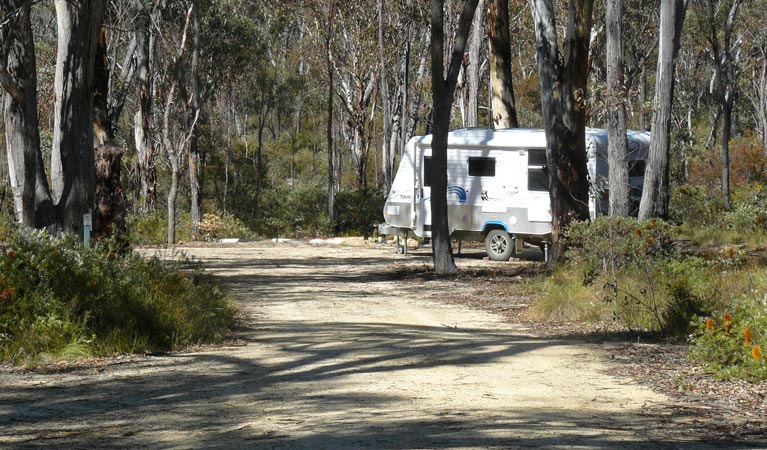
617,148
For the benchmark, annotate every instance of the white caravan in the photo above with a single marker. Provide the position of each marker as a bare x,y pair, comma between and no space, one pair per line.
497,186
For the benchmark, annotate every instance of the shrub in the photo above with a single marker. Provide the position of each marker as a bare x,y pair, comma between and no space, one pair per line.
634,267
56,296
358,211
152,229
731,343
214,227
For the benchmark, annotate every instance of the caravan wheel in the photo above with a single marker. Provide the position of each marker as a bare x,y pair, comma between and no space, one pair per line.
498,245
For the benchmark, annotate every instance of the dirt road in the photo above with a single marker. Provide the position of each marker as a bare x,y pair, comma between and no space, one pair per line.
335,352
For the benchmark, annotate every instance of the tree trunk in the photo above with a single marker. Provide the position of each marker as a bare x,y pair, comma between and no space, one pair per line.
499,42
146,172
72,159
195,157
655,194
472,71
415,104
387,161
175,177
563,97
725,77
443,89
195,184
18,74
109,217
617,148
331,203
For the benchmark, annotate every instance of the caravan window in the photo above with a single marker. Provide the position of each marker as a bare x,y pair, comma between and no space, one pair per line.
536,157
537,171
427,171
636,168
481,167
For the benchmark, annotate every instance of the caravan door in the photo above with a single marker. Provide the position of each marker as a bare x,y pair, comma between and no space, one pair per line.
423,192
538,200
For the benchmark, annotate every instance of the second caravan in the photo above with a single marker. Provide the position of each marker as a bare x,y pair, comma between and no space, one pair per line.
497,186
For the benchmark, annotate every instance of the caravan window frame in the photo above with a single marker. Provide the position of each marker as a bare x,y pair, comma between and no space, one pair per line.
537,170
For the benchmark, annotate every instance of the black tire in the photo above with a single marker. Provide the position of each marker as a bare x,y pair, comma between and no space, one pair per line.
499,245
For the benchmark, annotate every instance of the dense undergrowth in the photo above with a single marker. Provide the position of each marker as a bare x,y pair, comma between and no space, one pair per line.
293,213
638,274
60,301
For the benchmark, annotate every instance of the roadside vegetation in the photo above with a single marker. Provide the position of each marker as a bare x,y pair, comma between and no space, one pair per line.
704,280
60,301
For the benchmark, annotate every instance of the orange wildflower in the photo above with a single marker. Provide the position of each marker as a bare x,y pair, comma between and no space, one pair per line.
756,352
727,317
638,232
7,293
730,252
650,240
710,323
747,336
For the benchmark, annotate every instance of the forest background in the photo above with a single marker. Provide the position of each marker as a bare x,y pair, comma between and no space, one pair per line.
243,119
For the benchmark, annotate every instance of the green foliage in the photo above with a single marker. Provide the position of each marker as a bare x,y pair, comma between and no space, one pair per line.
564,298
634,267
298,212
704,220
730,342
214,227
152,229
57,297
359,211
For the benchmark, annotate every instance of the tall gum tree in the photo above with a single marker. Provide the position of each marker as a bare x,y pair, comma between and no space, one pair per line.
655,194
18,75
724,68
72,159
501,84
563,96
617,147
444,80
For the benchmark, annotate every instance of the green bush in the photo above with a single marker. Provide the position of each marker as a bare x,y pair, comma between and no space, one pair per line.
57,297
703,219
635,269
730,344
214,227
152,229
358,211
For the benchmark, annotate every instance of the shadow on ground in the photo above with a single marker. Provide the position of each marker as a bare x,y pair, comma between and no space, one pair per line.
218,398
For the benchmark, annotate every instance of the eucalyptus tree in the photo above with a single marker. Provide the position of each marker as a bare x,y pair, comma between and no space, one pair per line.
617,147
655,194
563,100
755,64
177,86
473,65
355,65
63,204
725,76
72,157
18,75
145,12
504,107
444,78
